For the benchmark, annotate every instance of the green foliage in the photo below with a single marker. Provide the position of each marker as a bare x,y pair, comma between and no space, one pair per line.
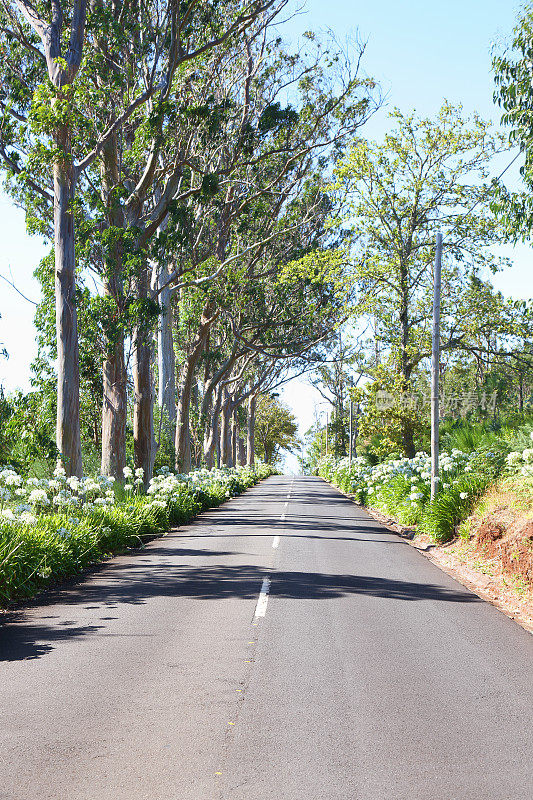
58,546
393,197
452,505
514,94
401,487
275,429
27,433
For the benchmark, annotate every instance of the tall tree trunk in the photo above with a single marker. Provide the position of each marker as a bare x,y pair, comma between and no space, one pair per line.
183,440
114,410
183,434
234,437
166,361
250,431
114,400
225,431
212,432
144,444
194,429
241,451
68,437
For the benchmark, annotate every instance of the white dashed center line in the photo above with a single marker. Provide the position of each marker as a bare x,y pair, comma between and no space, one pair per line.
275,542
261,607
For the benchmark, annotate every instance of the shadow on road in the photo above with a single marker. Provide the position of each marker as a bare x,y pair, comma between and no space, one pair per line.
20,639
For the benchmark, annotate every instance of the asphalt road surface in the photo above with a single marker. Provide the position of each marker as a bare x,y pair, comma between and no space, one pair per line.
282,647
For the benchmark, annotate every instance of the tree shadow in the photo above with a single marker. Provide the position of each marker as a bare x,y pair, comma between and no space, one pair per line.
21,640
24,637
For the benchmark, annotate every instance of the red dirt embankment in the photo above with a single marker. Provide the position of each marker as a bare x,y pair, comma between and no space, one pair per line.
509,539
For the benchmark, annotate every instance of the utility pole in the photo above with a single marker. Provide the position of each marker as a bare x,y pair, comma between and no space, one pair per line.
327,419
351,438
435,361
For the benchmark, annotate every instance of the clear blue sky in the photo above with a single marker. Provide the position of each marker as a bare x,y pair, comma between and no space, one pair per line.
421,52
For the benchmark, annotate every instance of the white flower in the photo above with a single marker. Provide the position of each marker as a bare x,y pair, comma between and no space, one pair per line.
27,518
59,471
139,472
527,455
128,487
463,495
127,472
39,498
8,515
157,504
513,459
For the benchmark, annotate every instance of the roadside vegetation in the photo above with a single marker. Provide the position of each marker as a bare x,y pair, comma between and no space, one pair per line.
484,502
52,529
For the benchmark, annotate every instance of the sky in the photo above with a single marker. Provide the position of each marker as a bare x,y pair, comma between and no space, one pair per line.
421,52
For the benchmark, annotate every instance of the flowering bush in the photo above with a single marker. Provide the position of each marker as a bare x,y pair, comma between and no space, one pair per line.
50,529
22,500
401,487
521,461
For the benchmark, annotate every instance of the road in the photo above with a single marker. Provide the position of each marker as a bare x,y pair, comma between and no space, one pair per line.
282,647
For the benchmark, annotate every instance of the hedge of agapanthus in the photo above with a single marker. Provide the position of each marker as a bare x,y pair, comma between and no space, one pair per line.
53,529
521,461
401,487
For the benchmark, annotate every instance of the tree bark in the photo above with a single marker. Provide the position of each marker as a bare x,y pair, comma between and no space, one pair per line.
234,437
183,440
114,409
225,432
241,451
183,435
144,444
114,400
250,431
212,432
166,361
68,437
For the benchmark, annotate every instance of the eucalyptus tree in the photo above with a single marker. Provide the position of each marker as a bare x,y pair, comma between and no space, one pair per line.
267,187
276,429
427,175
162,164
514,94
75,81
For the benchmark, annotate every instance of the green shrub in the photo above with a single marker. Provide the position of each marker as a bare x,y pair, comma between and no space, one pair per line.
58,546
451,505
